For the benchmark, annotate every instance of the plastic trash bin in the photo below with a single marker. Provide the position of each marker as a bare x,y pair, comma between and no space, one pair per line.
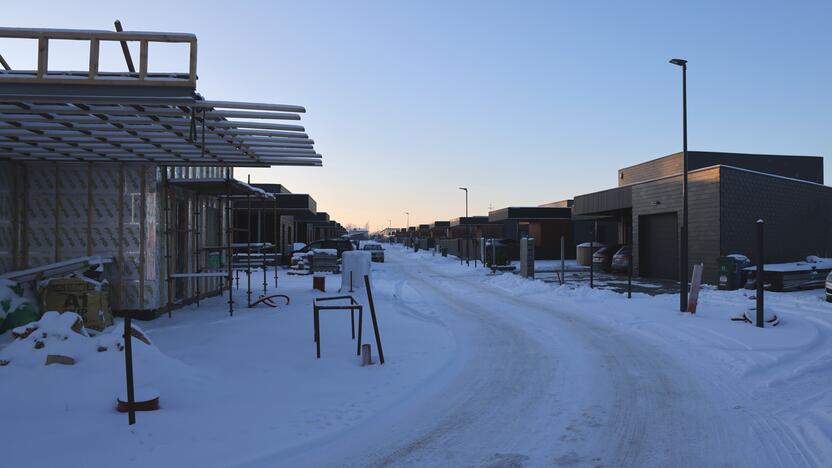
730,271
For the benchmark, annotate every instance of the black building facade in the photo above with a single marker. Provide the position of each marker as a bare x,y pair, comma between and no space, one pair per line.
728,193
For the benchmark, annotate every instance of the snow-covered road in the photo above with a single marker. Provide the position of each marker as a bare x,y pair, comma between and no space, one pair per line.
541,385
482,370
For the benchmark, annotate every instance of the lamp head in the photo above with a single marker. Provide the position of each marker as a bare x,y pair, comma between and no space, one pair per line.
679,62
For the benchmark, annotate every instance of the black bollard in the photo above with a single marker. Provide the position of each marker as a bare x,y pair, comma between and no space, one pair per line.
760,282
128,365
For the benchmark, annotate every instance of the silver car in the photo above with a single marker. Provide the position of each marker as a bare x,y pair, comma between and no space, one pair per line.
829,287
376,252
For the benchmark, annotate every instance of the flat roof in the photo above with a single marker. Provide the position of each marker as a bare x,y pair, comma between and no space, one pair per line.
220,187
470,221
617,198
273,188
529,213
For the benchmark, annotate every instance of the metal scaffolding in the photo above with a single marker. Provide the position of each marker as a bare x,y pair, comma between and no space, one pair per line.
239,255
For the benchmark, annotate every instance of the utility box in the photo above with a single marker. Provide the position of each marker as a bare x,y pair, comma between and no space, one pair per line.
731,276
527,257
88,298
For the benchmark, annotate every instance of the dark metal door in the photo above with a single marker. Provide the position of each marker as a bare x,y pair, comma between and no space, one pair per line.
658,246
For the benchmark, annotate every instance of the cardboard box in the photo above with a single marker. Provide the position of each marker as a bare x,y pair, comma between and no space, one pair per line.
88,299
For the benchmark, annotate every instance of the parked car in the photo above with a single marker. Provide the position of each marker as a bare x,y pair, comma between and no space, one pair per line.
829,287
622,259
602,258
376,251
341,245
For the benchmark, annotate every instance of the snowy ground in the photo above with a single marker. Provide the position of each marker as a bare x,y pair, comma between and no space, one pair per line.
481,371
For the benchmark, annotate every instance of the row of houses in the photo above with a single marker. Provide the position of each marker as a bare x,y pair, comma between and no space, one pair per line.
727,192
134,171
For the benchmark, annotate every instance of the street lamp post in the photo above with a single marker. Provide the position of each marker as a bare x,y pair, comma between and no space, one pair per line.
407,230
683,260
467,230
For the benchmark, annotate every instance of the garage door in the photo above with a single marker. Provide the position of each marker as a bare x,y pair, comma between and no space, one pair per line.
658,246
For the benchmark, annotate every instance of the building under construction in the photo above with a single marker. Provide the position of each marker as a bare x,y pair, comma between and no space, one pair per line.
133,170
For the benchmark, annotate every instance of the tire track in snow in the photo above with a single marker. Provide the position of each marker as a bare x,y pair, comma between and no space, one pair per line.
537,385
674,436
773,440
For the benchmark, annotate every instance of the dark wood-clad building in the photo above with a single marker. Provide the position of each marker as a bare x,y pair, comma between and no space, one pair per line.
546,224
728,193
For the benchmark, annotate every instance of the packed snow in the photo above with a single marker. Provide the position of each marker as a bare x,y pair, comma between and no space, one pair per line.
481,369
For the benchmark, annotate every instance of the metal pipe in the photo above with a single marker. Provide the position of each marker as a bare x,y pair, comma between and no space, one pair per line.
125,50
276,240
142,231
228,239
120,264
128,366
197,248
248,245
168,239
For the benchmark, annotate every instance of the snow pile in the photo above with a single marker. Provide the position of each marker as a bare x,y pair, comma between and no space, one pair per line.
93,277
300,262
739,257
63,334
356,263
811,262
17,306
325,251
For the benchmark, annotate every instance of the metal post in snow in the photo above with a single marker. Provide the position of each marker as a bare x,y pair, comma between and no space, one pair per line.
760,282
128,365
683,257
562,261
229,233
630,276
373,317
592,255
494,253
277,253
248,243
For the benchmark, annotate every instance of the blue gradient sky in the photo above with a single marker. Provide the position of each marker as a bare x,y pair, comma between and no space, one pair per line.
522,102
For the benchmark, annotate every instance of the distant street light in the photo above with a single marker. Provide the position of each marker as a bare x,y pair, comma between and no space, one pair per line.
408,218
467,230
683,260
